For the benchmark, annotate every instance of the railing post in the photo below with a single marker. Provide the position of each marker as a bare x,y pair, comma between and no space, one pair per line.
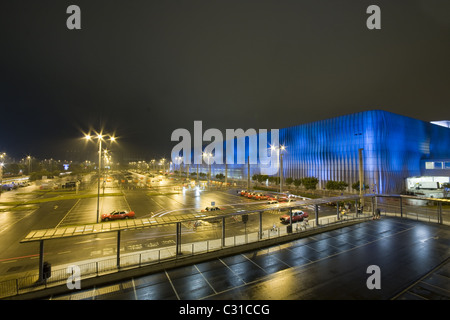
260,225
316,211
373,206
223,232
41,260
337,211
440,218
401,207
118,249
178,238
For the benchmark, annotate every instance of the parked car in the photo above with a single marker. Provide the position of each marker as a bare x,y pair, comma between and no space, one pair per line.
212,209
260,196
297,216
243,193
116,215
250,195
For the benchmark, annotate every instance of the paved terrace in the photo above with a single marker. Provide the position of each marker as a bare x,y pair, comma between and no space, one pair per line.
412,256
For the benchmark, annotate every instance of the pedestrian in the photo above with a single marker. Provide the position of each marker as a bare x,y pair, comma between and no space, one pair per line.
378,213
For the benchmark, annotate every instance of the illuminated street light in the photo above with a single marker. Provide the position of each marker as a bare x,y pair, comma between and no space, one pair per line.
208,156
179,160
163,162
29,164
153,164
2,156
99,138
280,155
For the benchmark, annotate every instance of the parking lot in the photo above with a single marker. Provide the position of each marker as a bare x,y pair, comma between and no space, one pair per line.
331,265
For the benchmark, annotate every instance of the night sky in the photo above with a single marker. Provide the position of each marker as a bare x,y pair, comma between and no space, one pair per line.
142,69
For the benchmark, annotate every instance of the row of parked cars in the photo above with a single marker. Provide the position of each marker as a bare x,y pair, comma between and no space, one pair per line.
14,185
297,215
261,196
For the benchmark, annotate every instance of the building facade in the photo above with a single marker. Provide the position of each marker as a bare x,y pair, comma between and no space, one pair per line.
394,147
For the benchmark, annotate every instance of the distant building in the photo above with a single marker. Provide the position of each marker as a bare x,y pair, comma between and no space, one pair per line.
395,147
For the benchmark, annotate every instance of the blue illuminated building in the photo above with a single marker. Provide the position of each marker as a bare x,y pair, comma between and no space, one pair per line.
395,147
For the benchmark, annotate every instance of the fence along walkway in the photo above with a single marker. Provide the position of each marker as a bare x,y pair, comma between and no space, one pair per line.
95,268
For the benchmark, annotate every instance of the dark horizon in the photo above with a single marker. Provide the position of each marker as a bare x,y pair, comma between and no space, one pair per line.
143,69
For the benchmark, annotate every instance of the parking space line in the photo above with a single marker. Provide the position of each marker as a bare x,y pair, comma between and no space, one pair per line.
134,289
284,262
68,213
205,279
254,263
231,270
170,281
126,201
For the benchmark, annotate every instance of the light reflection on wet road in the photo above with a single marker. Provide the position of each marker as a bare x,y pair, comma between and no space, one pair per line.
329,265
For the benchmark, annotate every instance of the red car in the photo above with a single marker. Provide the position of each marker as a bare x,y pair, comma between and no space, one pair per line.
243,193
297,216
260,196
116,215
250,195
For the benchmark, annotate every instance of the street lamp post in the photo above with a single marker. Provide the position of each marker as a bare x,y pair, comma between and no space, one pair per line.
179,159
29,165
208,157
163,161
99,140
153,164
1,172
280,157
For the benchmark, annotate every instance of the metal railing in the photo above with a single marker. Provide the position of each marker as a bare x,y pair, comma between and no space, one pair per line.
61,275
88,269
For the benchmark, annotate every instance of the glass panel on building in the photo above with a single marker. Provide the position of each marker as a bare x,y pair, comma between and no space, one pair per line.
429,165
437,165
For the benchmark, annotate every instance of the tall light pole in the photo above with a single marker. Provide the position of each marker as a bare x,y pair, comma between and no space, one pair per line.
179,160
208,157
1,171
29,165
99,138
163,161
361,176
153,164
280,157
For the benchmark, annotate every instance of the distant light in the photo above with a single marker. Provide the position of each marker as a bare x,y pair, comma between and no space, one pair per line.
442,123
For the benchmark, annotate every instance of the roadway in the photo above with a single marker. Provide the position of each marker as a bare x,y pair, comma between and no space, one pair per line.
412,257
16,257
